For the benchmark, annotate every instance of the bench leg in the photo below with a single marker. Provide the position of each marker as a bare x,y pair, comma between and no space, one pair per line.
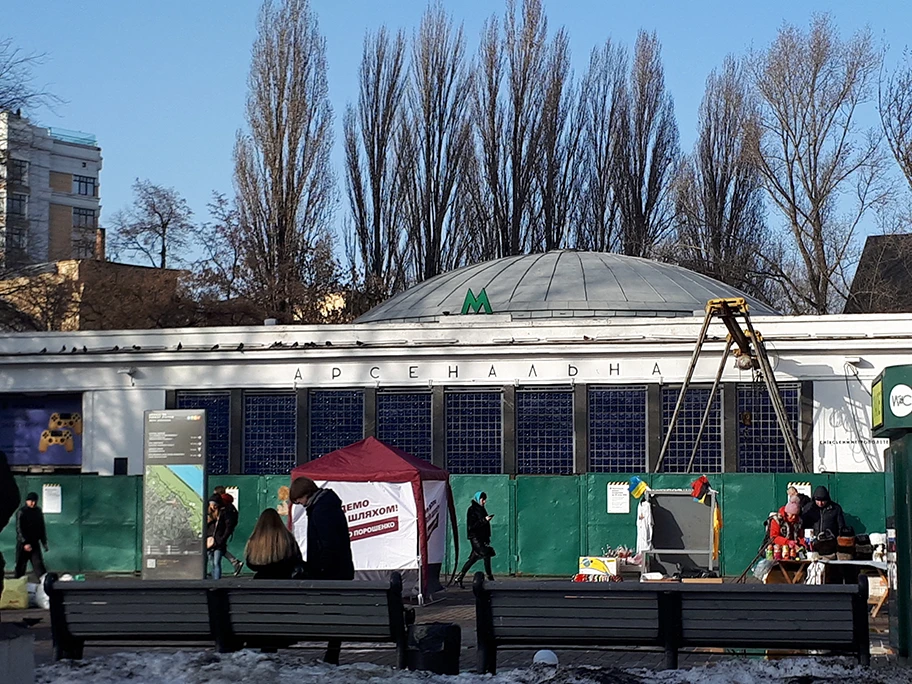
71,649
671,658
486,657
333,649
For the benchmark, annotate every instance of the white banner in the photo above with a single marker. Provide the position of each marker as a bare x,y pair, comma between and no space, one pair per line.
436,514
382,522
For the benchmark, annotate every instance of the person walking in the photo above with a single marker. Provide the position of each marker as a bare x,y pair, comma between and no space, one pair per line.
231,513
329,554
216,535
272,552
9,502
30,537
478,525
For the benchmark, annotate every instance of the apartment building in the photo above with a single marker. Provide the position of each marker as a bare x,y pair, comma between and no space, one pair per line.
49,194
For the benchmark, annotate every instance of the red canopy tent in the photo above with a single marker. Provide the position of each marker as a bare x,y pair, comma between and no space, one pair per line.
383,489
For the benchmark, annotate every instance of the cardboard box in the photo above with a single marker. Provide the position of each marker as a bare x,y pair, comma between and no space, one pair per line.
702,580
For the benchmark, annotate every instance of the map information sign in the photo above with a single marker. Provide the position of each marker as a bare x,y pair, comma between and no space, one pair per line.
174,495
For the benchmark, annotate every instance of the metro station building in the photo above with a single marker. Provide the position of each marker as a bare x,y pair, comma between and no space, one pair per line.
558,363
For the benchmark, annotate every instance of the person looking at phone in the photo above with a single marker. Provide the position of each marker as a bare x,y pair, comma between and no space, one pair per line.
478,524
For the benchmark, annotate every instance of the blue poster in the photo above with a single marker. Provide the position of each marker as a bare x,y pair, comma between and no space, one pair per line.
41,430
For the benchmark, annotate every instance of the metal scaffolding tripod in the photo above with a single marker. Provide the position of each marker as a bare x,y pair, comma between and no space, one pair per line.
749,355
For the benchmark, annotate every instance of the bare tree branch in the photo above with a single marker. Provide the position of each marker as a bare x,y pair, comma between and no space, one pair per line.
894,98
156,228
434,146
813,160
648,152
372,165
283,174
603,89
719,192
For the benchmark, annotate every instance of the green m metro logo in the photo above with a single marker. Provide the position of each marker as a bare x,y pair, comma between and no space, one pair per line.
476,304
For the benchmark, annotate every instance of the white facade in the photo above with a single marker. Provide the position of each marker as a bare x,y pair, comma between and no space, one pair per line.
45,152
836,356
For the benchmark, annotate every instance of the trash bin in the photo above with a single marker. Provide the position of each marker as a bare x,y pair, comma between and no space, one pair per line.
434,647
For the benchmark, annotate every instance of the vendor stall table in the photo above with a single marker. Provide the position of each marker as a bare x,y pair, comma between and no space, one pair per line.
794,572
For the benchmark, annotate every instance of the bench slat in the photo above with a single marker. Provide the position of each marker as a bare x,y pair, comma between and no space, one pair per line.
168,609
722,604
573,611
266,617
579,636
146,631
617,601
317,632
292,599
760,621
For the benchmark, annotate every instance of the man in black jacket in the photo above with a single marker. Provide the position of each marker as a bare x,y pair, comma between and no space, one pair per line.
329,555
30,537
478,525
823,514
9,502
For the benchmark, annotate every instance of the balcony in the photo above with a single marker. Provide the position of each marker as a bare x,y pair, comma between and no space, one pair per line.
75,137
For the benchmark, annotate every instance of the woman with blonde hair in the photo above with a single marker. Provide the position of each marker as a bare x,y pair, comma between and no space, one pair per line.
272,551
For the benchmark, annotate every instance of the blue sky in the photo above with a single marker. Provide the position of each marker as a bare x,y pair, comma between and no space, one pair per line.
162,84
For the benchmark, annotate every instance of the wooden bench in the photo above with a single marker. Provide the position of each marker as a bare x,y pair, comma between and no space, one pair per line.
671,616
233,614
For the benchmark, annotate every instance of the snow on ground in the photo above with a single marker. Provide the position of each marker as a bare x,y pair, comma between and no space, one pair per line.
249,667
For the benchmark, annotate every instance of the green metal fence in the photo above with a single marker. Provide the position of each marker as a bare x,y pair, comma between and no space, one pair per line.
541,524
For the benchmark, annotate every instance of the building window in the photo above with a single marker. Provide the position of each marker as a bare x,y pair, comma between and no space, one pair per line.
404,421
218,426
761,448
270,433
474,432
709,455
18,171
336,420
84,227
544,432
617,429
83,218
16,238
17,205
84,185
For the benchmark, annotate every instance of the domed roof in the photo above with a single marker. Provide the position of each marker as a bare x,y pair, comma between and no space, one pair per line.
560,284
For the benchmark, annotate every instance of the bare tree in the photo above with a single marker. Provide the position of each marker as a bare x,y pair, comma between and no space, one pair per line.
509,103
895,100
221,273
372,165
283,175
561,141
603,93
649,153
819,170
719,193
156,228
17,79
435,146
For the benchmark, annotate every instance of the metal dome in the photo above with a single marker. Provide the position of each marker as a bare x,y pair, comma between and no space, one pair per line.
560,284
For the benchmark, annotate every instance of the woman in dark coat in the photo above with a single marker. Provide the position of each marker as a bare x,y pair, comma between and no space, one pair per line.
272,551
478,524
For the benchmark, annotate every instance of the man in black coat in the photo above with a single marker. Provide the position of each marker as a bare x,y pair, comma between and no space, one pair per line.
823,514
30,537
329,555
478,526
9,502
